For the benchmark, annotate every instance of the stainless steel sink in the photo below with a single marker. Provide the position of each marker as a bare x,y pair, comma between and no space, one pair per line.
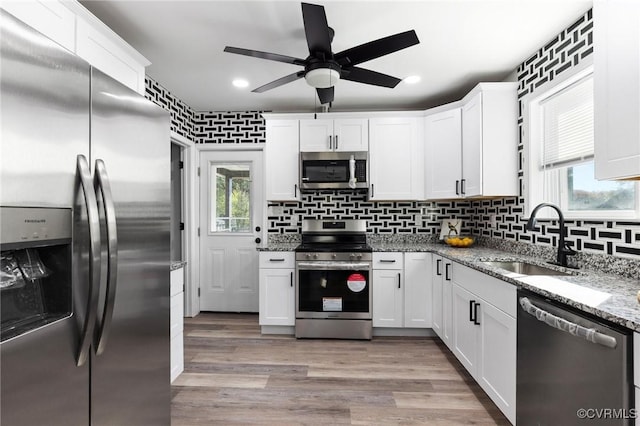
525,268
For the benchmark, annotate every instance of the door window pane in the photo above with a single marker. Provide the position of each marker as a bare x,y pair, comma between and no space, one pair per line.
230,198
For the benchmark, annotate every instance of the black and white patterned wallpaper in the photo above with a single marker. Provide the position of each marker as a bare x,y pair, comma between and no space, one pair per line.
229,127
611,237
181,114
401,218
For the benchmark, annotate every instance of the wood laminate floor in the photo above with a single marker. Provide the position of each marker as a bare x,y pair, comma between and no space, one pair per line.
236,376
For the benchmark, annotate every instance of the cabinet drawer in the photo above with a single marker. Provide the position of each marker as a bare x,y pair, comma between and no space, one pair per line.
277,259
391,260
501,294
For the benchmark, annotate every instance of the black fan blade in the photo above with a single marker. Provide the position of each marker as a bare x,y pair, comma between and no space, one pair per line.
325,95
365,76
265,55
316,28
375,49
279,82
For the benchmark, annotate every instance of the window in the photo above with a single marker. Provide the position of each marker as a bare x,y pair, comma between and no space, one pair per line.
231,198
561,165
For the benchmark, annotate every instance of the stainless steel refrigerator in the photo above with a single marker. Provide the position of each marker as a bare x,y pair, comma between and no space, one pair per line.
84,211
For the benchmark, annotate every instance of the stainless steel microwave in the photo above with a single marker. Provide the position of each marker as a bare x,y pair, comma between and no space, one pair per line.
333,170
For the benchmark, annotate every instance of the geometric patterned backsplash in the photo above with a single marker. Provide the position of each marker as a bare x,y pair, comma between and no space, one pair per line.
567,49
402,217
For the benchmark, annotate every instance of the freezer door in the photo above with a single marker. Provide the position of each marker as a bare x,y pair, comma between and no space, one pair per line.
130,377
45,125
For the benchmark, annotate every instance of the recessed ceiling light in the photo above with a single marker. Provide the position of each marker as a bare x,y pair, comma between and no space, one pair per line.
412,79
239,82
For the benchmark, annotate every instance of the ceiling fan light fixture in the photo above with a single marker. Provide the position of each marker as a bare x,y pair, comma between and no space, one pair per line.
240,83
412,79
322,78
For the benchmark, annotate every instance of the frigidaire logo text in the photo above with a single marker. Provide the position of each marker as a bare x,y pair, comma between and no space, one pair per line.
35,220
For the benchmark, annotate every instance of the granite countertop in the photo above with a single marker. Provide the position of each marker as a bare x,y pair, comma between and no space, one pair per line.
280,246
608,296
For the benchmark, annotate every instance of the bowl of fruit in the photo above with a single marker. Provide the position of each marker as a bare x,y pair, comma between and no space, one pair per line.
459,240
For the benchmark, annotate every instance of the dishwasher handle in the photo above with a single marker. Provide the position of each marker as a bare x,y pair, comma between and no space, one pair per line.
562,324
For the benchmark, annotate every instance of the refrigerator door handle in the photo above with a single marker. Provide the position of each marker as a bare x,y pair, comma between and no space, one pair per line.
103,189
93,220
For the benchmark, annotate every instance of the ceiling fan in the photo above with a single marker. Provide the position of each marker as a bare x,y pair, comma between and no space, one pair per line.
323,68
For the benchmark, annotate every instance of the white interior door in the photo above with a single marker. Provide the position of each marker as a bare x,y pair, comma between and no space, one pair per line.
231,206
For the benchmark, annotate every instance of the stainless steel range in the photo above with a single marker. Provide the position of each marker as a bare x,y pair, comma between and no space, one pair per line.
333,280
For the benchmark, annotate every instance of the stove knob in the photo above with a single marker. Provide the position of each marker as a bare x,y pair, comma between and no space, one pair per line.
308,256
315,256
352,256
359,256
334,255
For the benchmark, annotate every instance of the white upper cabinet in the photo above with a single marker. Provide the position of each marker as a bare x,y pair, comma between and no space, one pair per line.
51,18
71,25
472,146
396,157
443,137
616,79
344,134
281,160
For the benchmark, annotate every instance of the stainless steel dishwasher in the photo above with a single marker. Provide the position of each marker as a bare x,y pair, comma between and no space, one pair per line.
572,369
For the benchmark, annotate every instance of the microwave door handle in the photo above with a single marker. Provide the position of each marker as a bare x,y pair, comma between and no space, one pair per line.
102,184
93,221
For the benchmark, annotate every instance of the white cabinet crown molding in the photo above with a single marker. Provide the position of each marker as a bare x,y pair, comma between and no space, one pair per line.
100,26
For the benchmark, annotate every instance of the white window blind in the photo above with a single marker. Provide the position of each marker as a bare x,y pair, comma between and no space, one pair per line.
568,125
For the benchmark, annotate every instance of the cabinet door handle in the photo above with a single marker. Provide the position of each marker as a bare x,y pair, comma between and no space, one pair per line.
276,260
438,262
291,279
457,187
371,191
399,279
330,142
295,190
471,318
336,142
462,186
446,272
387,261
475,313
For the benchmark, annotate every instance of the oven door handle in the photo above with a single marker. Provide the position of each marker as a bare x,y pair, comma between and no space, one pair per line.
329,265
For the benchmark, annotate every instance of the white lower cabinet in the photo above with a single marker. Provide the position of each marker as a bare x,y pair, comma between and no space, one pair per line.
388,293
177,322
442,298
277,288
484,333
417,290
402,290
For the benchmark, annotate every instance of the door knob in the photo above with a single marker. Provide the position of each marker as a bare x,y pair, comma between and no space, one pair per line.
258,240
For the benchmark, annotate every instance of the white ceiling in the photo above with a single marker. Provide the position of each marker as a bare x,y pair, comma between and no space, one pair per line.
462,42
